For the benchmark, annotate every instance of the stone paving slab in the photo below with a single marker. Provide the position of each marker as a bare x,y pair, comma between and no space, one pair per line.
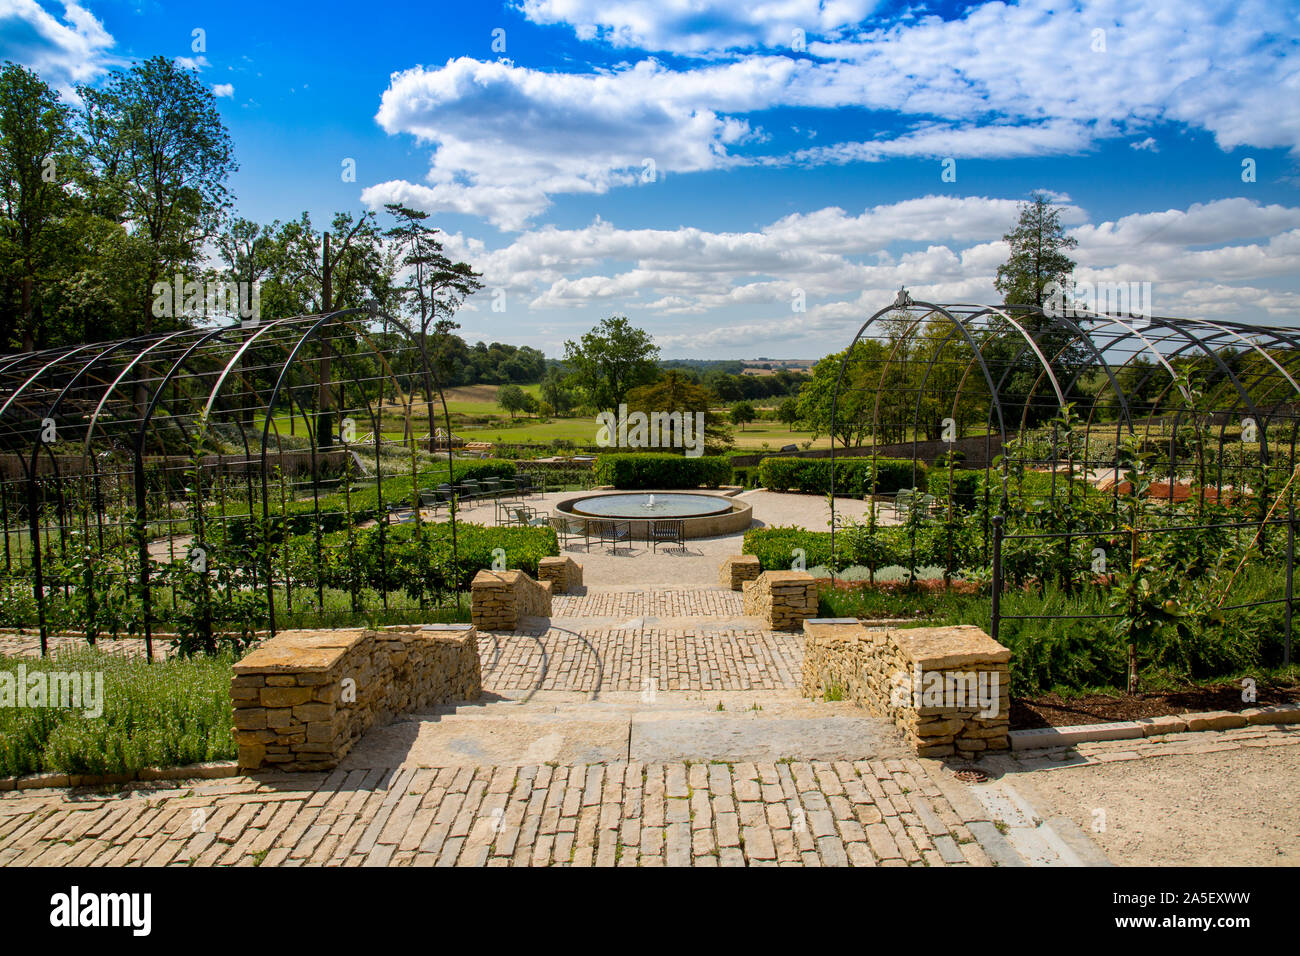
583,658
887,812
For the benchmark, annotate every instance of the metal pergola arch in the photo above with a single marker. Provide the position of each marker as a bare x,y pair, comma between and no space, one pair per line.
66,412
1114,346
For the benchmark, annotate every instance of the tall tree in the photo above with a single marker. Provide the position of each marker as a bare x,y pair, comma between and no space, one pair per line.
611,360
675,392
155,139
436,287
35,164
1038,258
1038,254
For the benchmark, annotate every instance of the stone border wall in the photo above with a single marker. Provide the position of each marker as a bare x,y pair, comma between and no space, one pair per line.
303,698
564,573
784,599
737,569
946,688
498,599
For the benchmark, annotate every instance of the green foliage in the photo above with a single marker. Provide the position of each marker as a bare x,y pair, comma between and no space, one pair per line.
633,471
414,558
853,476
164,714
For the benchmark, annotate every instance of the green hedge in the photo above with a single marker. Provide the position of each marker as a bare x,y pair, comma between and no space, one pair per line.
853,476
662,471
363,501
417,561
966,486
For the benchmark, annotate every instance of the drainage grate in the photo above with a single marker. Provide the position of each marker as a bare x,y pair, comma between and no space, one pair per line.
971,775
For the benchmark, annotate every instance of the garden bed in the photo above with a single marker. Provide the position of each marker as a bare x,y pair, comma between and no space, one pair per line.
1056,710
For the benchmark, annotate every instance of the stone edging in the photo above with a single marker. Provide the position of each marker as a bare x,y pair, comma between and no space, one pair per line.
1045,738
214,770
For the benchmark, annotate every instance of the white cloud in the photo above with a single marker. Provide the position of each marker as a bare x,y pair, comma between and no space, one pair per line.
223,89
198,63
506,138
699,26
1149,144
65,52
943,248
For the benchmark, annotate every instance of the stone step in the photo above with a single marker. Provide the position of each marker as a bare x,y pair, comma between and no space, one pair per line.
566,729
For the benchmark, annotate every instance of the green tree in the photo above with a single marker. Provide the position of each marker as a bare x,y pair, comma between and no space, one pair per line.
1037,260
788,412
1038,246
674,392
742,413
35,166
611,360
513,399
154,139
555,392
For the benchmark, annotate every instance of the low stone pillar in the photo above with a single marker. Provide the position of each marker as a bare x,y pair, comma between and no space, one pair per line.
564,573
498,599
738,569
302,699
784,599
946,688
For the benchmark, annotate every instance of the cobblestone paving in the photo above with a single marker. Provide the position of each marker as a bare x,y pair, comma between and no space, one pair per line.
618,602
868,813
607,659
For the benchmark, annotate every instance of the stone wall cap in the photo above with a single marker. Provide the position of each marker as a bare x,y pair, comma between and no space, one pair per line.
953,646
300,650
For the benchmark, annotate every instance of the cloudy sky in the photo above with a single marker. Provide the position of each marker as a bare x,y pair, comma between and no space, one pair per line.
704,165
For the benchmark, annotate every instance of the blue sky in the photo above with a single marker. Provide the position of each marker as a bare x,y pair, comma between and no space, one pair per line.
696,164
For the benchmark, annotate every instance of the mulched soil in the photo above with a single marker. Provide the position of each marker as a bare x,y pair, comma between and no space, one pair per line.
1053,710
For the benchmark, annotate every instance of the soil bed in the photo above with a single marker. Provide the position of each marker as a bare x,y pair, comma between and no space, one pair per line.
1053,710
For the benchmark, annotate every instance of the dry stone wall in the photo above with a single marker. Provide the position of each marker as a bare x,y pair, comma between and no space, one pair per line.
303,698
946,688
738,569
498,599
784,599
564,573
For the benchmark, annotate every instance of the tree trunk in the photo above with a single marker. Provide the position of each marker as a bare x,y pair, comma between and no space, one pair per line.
29,334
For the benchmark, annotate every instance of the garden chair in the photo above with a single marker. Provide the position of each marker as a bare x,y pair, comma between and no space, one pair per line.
568,528
469,491
526,517
612,532
492,487
666,531
524,485
904,499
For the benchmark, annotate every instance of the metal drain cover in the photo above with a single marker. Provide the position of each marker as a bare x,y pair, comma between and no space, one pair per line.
971,775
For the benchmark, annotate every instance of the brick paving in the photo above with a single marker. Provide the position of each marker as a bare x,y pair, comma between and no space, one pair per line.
636,602
868,813
607,659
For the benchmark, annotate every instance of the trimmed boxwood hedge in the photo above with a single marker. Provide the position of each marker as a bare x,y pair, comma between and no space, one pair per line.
853,476
415,561
363,502
634,472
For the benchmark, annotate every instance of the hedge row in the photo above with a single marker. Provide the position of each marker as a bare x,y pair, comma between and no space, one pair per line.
854,477
416,561
632,472
363,503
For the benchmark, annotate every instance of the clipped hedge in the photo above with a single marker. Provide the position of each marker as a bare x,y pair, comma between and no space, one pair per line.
634,472
363,501
966,486
853,476
416,560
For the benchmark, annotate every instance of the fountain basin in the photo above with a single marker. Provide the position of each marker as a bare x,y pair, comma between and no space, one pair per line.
702,515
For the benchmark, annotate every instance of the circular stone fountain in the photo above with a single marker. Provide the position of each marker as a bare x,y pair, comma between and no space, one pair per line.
702,515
